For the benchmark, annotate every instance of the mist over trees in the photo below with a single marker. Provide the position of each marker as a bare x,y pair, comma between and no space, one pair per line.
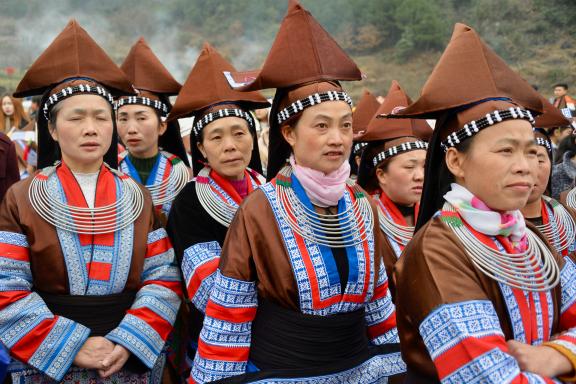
389,39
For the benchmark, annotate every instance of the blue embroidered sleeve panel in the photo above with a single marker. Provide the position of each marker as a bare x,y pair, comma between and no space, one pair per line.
224,344
28,329
381,312
149,321
461,324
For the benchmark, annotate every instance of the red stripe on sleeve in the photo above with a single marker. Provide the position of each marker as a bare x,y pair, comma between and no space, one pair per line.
158,247
174,286
216,352
154,320
466,351
232,315
381,290
381,328
201,273
9,297
14,252
29,343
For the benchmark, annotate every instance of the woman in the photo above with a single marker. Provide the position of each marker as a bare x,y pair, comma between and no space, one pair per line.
480,296
392,171
300,294
89,290
155,154
226,164
552,219
15,123
12,115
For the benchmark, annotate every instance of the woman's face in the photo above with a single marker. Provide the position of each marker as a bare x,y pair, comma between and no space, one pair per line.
7,106
83,129
542,174
322,137
227,146
139,128
498,167
403,178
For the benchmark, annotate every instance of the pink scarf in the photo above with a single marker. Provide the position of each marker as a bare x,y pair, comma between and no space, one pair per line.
323,190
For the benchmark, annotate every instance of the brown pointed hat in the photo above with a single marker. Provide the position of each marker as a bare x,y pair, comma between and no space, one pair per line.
72,54
146,72
207,96
207,86
470,89
73,64
470,72
303,52
381,127
552,116
154,84
365,109
305,65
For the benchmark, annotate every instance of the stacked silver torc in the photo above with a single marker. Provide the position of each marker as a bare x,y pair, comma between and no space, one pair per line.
167,190
401,233
91,221
565,232
333,230
219,209
532,270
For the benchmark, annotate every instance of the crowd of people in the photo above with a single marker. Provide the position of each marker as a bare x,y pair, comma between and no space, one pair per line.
158,232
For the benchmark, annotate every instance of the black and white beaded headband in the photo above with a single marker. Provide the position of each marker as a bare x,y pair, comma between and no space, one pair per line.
359,147
544,143
75,90
230,112
317,98
473,127
156,104
398,149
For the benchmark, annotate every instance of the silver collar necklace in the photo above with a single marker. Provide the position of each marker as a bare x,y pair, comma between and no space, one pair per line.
340,230
91,221
532,270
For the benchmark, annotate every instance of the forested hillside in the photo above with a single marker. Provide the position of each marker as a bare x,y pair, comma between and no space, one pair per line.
390,39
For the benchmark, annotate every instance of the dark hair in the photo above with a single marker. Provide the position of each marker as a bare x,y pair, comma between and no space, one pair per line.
437,177
563,85
366,171
36,100
567,144
554,129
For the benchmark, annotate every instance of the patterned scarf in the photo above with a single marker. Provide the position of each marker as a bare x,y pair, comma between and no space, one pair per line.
480,217
323,190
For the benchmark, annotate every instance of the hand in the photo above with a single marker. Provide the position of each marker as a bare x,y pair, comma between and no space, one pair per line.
542,360
114,362
94,350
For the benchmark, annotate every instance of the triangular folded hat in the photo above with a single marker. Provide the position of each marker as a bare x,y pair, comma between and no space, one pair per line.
146,72
552,116
365,109
207,96
154,85
206,86
468,72
303,52
382,128
73,54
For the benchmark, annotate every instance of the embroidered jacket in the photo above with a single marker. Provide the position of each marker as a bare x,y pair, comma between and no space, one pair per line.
264,257
454,321
36,256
